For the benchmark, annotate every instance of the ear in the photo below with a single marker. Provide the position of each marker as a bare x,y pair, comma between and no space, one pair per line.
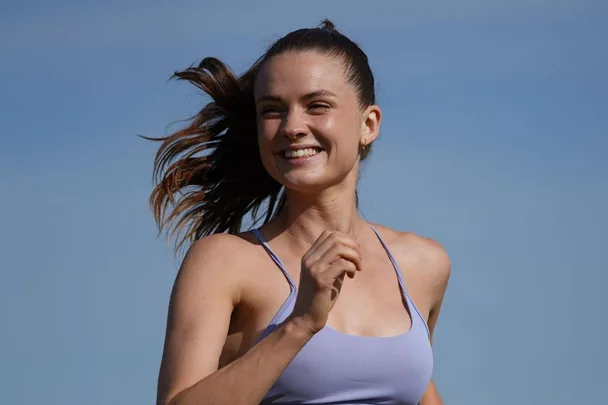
370,126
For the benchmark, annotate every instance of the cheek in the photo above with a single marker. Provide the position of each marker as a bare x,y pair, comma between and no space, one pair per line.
344,134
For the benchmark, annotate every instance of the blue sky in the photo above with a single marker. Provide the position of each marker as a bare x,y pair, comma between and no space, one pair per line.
494,142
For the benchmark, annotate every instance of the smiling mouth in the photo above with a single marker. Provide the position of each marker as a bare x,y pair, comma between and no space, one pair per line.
299,153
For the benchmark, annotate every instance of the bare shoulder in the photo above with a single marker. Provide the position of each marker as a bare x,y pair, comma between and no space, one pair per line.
425,256
217,261
218,248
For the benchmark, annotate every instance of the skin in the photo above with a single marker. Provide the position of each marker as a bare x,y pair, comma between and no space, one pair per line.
220,301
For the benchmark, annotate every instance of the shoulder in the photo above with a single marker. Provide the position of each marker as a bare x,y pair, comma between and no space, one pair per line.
216,261
218,248
425,256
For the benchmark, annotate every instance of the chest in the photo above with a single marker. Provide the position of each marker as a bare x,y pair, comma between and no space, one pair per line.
372,304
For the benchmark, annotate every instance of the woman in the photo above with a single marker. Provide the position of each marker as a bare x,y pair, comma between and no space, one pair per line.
269,316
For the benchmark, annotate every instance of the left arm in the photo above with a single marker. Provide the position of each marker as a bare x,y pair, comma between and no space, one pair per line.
437,267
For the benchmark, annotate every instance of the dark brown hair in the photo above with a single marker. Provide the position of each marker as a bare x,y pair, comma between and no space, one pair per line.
209,175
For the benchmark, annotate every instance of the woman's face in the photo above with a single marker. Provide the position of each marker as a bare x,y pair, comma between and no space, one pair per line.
309,121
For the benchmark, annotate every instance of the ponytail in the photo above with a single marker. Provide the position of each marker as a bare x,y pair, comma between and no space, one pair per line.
209,175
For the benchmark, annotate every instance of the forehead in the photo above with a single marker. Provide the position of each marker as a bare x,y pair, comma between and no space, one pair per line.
301,72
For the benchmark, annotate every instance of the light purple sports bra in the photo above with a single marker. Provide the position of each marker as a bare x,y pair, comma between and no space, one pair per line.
338,368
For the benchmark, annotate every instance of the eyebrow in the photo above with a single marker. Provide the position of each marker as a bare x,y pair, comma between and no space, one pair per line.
308,96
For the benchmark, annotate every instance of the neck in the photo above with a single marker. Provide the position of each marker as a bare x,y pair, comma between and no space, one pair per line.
305,217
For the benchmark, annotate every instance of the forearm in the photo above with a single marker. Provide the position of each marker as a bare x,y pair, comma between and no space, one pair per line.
246,380
431,396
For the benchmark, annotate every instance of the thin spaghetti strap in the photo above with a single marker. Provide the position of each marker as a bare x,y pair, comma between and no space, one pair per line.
400,278
275,258
279,316
392,259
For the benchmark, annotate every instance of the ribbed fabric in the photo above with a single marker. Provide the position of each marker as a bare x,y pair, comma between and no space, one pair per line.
337,368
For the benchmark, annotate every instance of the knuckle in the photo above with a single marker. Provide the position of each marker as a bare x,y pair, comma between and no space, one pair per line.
314,269
347,241
345,250
339,239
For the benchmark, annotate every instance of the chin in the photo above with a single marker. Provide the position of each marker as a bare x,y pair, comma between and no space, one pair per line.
309,184
304,184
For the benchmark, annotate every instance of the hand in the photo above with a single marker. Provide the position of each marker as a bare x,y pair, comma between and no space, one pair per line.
332,256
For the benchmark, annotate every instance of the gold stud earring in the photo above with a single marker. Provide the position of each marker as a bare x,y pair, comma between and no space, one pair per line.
363,146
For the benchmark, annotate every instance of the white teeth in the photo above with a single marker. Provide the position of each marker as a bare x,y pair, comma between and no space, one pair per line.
289,154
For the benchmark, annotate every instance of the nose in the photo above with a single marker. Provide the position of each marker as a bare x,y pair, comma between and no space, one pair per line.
294,125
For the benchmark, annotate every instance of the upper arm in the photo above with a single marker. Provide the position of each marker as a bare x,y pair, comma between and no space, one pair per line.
205,292
435,268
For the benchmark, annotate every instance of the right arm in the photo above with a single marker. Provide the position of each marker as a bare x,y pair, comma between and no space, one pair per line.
202,301
204,296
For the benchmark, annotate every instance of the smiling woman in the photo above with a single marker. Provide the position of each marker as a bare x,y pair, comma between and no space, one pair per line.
268,315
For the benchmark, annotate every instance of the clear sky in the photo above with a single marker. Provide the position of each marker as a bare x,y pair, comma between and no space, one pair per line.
494,142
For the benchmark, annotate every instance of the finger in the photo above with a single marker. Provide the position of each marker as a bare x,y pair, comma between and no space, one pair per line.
337,252
337,269
335,238
322,237
310,254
